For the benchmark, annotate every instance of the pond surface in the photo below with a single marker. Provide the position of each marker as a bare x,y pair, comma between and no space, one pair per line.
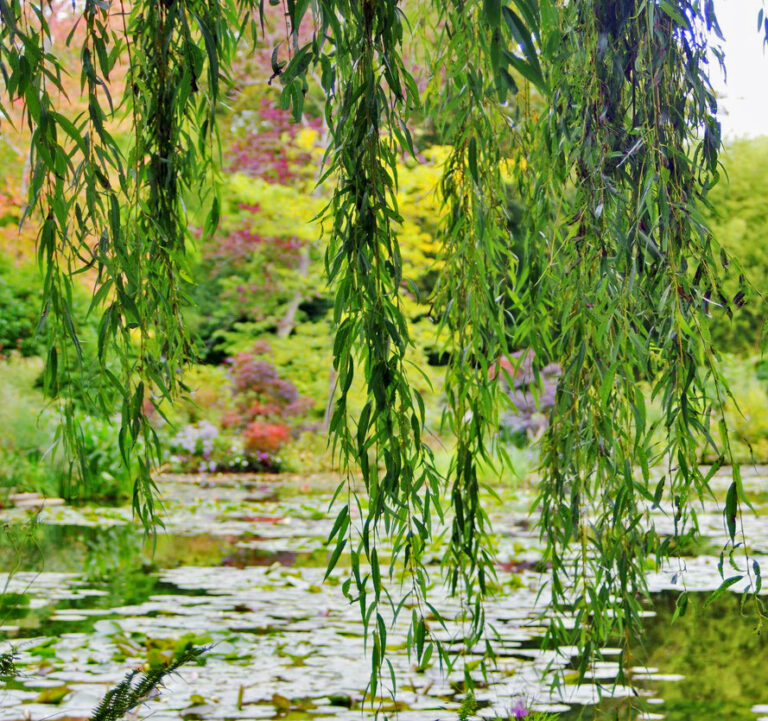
240,568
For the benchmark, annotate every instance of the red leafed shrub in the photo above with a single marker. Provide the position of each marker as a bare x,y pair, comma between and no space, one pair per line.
264,437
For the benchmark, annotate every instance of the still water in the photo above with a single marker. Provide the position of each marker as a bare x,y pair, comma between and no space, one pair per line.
240,569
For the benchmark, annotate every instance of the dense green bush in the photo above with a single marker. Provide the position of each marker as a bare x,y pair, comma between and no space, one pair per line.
99,473
21,330
29,460
746,414
19,309
26,433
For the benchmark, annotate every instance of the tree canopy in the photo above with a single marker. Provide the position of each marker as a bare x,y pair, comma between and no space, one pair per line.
606,110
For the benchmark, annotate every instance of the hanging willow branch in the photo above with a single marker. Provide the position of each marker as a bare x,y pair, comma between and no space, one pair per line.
370,95
113,213
470,295
626,158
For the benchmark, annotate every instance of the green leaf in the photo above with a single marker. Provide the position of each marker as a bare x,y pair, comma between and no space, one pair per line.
340,544
731,509
722,588
492,12
340,524
674,13
528,71
472,160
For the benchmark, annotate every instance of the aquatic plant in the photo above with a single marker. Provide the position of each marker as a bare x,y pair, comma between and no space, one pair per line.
8,663
137,686
519,709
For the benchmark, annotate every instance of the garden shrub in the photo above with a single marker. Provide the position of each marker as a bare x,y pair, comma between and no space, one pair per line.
27,434
246,419
264,255
99,473
531,398
19,309
27,471
304,358
264,405
29,457
195,447
739,220
746,414
262,437
273,147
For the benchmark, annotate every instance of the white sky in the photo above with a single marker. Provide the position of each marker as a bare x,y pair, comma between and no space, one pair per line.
743,108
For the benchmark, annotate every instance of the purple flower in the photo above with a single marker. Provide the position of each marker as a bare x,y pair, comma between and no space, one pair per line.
519,710
197,440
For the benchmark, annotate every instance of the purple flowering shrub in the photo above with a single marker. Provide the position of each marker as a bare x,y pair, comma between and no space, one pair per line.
203,448
265,406
525,417
193,447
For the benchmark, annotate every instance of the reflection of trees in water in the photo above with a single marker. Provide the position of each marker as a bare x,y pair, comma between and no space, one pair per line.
719,651
244,557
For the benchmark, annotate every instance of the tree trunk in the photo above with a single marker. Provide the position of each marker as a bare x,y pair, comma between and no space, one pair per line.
287,322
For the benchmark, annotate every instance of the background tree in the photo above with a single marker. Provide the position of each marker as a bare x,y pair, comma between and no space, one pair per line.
737,219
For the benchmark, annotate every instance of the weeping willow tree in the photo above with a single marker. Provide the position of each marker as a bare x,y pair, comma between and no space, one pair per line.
608,105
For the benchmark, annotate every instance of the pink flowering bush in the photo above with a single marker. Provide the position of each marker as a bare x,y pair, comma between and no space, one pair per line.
268,150
249,269
254,415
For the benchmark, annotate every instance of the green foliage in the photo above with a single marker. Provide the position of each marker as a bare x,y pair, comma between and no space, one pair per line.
101,473
739,219
28,443
468,707
27,431
119,211
630,271
8,664
477,270
19,310
265,255
367,124
304,358
746,410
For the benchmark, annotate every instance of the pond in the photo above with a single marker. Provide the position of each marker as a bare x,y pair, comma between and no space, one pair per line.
239,568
